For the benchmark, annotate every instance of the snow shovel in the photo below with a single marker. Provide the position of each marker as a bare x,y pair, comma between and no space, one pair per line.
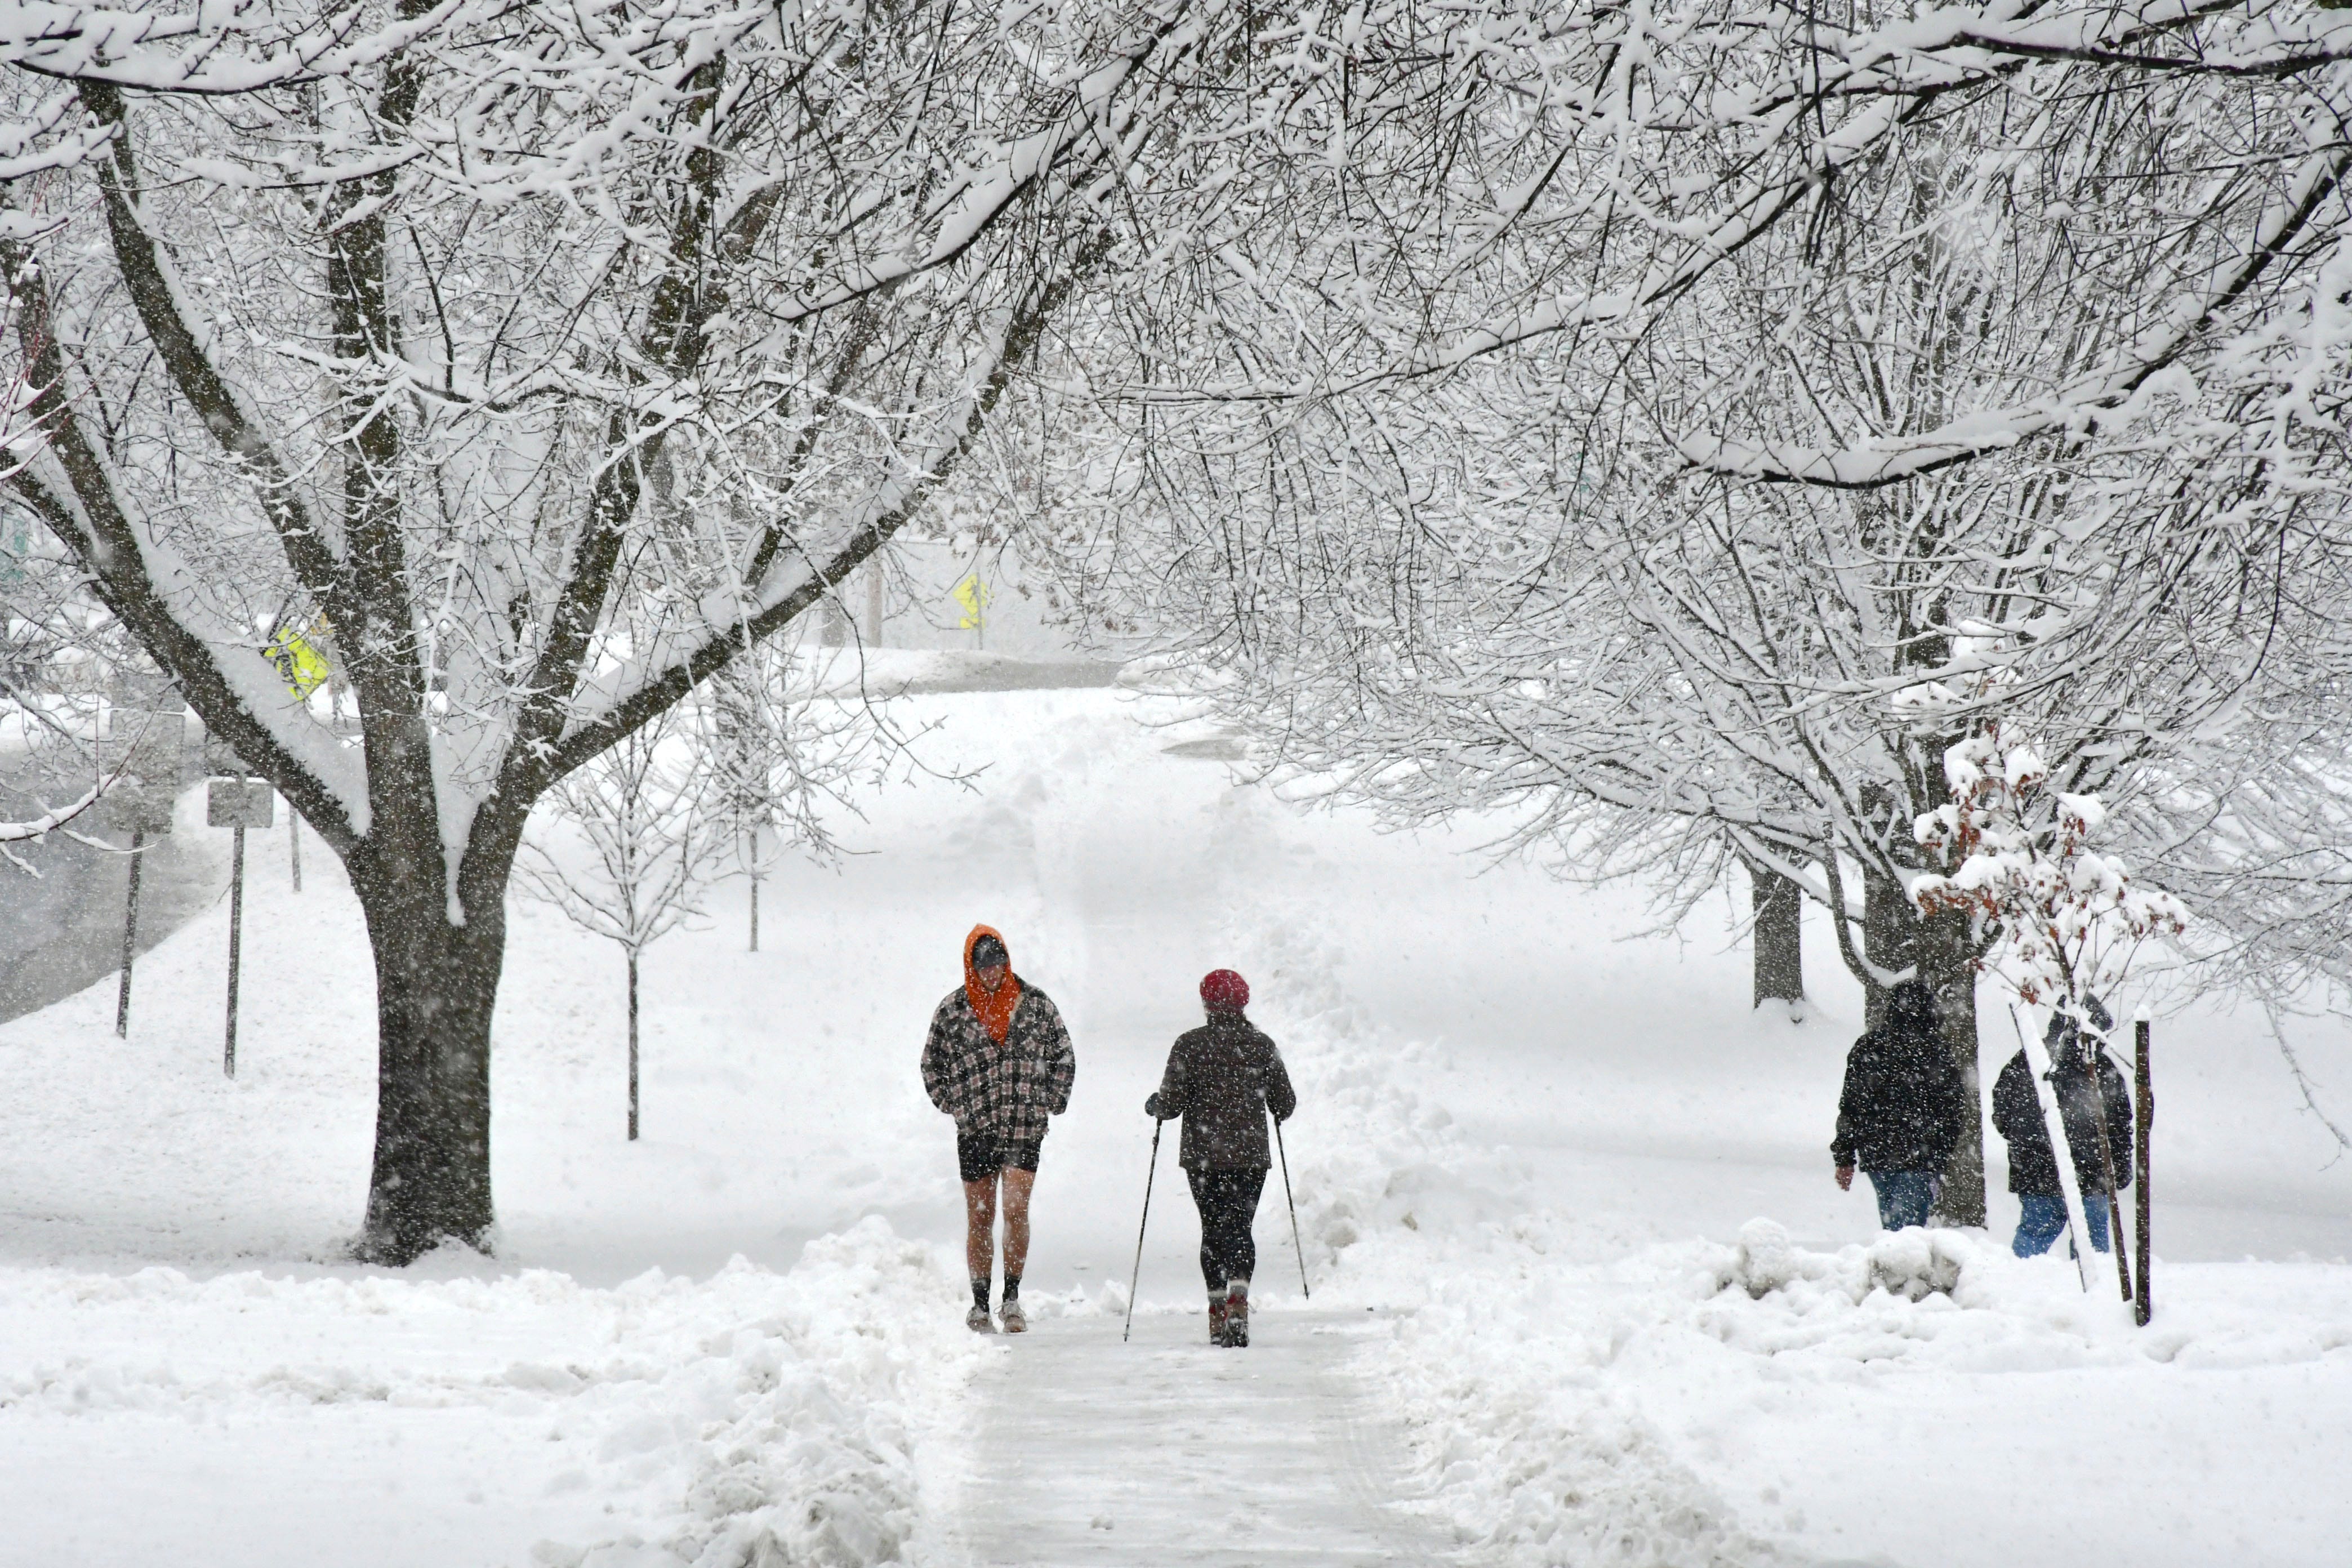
1148,1180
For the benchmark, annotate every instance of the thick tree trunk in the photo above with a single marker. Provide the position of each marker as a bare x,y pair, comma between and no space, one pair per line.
1947,963
436,985
1779,908
1890,938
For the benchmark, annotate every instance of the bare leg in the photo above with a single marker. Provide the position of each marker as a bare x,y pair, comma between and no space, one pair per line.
1017,1183
980,1226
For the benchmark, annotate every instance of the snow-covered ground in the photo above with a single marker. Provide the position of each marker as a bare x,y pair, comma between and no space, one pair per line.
1533,1144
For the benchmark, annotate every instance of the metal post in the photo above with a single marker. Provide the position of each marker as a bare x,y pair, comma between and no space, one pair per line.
2107,1163
2143,1306
235,924
294,839
130,937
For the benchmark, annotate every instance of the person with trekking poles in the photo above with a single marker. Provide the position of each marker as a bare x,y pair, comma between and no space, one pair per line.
2087,1082
1903,1109
998,1060
1222,1080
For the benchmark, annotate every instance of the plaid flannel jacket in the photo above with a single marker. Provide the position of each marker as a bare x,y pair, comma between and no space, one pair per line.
1005,1090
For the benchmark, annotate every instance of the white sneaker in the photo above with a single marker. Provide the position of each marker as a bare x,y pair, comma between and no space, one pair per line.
979,1322
1017,1322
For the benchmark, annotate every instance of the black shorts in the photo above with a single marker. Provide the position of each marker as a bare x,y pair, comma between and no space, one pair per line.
979,1155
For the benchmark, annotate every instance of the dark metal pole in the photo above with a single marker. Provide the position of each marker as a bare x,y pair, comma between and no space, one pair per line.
2107,1163
236,931
1295,1246
2143,1306
130,937
1133,1284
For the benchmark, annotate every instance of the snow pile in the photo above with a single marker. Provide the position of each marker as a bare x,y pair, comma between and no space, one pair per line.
1529,1456
752,1418
1912,1264
1384,1158
781,1414
1577,1390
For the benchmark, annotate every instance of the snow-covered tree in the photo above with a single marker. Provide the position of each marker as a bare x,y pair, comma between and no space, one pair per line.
630,842
774,757
387,313
2062,923
1665,451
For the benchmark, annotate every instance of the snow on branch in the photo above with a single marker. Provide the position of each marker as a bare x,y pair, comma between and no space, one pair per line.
2063,921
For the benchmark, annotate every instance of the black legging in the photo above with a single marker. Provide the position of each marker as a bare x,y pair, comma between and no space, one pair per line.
1228,1202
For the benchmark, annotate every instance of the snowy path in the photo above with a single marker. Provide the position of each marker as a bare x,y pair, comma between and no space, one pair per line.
1164,1451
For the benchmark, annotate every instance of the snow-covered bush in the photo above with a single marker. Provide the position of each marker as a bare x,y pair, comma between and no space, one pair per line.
2061,922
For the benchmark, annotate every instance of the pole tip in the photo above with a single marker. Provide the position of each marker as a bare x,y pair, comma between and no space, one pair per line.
2140,1015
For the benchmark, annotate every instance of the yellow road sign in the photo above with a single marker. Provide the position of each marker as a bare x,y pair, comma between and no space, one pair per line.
973,596
300,663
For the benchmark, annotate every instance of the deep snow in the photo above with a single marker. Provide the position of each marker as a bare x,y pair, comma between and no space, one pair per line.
1532,1144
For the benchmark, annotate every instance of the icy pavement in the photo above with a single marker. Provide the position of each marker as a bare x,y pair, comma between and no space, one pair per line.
1166,1451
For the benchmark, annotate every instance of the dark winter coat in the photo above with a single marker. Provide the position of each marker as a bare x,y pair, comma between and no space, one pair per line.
2017,1116
1221,1080
1005,1091
1904,1104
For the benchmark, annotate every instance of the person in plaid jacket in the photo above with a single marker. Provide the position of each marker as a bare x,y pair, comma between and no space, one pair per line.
999,1062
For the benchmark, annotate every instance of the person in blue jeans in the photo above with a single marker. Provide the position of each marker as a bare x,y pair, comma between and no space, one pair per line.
2087,1081
1902,1109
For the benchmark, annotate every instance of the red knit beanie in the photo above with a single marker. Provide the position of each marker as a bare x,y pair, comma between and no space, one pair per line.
1223,991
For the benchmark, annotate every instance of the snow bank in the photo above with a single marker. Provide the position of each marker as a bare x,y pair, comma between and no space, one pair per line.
778,1416
1530,1459
1578,1392
753,1417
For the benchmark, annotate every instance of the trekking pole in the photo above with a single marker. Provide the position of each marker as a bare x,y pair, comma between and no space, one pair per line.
1138,1280
1295,1246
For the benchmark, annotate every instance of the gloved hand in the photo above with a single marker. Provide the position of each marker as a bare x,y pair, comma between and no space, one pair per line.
1152,1109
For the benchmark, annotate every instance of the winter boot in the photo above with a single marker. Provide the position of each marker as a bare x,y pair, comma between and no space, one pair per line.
1217,1318
1237,1313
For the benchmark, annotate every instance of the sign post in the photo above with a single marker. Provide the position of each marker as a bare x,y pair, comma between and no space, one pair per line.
238,803
141,804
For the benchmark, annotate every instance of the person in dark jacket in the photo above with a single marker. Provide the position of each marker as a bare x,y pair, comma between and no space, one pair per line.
1223,1080
1903,1108
2087,1080
998,1059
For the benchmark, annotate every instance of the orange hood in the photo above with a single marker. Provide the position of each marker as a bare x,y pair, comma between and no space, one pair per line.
995,1008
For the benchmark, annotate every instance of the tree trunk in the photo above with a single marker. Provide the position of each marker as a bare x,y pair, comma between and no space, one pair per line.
633,1045
1890,938
1779,907
436,985
1947,959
